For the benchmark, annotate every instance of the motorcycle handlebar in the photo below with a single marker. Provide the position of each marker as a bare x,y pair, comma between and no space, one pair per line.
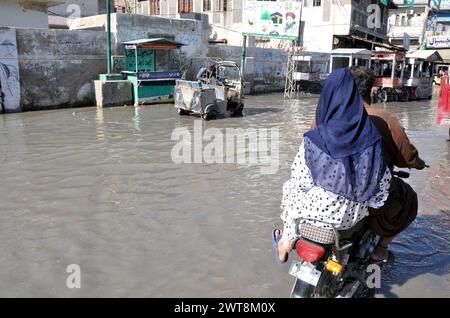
404,174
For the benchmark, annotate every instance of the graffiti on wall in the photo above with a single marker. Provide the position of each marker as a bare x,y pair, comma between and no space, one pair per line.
145,59
9,69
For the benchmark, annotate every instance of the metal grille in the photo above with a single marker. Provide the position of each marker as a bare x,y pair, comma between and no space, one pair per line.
317,234
290,87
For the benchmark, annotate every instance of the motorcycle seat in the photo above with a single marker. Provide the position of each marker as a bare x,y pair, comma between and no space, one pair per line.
326,236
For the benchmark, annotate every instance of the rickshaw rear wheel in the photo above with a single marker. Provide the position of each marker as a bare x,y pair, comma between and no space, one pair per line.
183,112
238,111
209,116
210,112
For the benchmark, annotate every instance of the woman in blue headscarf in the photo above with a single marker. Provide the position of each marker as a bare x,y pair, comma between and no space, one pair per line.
339,170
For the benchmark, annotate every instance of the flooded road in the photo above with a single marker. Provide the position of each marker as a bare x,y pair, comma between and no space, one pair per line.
98,188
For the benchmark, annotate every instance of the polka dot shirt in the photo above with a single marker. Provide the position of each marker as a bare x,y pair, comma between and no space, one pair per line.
304,202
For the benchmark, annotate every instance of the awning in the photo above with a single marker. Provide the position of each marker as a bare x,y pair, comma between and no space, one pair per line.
157,43
351,51
311,56
371,43
427,55
445,55
442,17
388,55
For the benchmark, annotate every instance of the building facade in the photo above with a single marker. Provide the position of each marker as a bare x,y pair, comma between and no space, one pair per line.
410,21
60,16
25,13
225,16
325,24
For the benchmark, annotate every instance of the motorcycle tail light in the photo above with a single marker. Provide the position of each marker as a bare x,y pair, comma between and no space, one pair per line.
334,267
308,251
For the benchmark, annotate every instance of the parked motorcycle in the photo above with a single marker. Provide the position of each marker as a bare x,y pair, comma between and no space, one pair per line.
334,264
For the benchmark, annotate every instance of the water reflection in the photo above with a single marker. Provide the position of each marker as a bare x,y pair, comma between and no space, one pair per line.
97,187
423,248
99,121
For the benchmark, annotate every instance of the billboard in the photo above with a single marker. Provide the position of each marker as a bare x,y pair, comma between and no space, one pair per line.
272,19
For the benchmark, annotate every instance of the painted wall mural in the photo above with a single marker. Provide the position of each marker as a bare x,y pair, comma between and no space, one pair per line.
9,69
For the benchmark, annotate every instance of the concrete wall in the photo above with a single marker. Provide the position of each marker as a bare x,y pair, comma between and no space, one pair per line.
57,67
128,27
265,69
14,13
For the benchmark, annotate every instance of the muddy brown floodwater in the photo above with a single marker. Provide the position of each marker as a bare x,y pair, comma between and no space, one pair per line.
98,188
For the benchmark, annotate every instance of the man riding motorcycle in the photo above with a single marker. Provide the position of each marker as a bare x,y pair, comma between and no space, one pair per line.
400,209
399,206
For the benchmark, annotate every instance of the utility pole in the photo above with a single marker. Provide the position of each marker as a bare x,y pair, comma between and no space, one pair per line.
290,86
423,36
108,34
243,55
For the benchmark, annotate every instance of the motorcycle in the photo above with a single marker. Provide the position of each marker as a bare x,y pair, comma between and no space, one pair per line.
334,264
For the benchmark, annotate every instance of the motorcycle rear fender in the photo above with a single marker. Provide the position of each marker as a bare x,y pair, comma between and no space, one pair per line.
302,289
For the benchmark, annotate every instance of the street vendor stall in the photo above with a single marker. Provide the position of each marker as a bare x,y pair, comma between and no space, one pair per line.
418,73
388,68
152,68
311,69
349,57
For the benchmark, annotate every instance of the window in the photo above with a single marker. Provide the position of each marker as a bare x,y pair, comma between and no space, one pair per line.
154,7
185,6
303,66
206,5
316,3
225,5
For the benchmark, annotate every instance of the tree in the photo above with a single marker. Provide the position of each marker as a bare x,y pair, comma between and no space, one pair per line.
266,16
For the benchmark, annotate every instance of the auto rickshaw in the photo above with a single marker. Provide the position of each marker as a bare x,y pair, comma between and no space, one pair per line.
219,94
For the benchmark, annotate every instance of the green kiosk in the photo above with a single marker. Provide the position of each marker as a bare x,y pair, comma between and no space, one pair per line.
152,66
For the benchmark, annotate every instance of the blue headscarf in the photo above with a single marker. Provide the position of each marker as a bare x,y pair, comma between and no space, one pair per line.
344,153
